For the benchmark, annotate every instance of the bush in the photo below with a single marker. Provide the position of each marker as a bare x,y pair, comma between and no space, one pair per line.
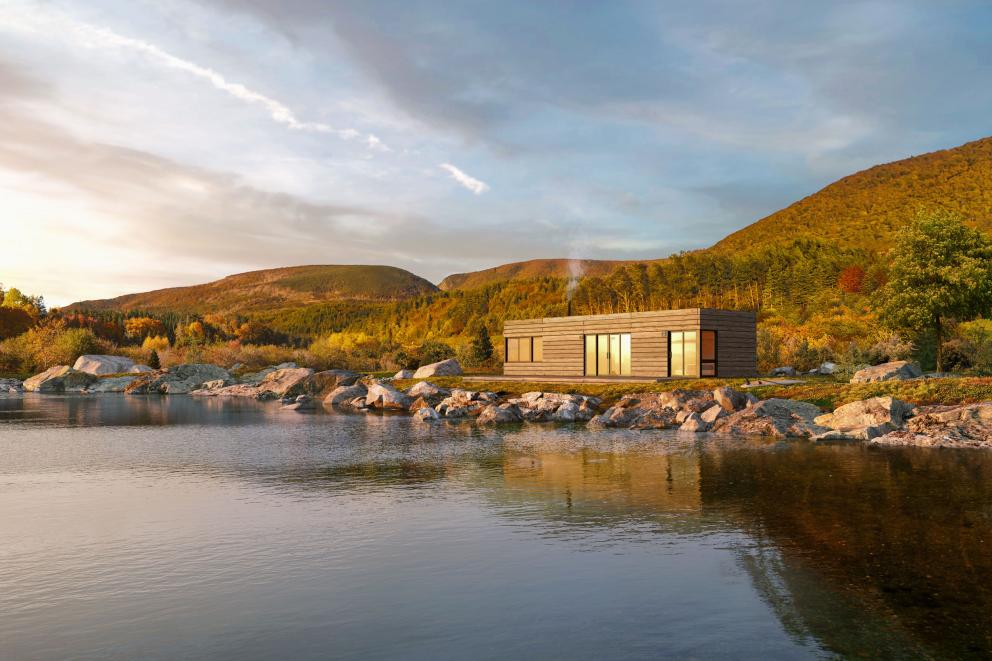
433,351
155,343
49,345
14,321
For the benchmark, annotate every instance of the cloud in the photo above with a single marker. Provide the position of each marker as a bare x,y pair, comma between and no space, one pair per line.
469,182
94,36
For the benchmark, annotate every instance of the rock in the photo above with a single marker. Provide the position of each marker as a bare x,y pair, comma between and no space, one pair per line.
865,419
826,368
214,385
60,378
899,370
566,412
11,387
99,364
235,367
111,384
177,379
140,369
403,374
276,384
428,391
695,423
787,370
301,403
384,396
964,426
318,384
681,416
689,400
730,400
427,414
499,415
418,404
449,367
713,413
343,395
778,418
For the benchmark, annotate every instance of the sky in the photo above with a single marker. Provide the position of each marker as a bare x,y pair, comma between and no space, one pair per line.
153,144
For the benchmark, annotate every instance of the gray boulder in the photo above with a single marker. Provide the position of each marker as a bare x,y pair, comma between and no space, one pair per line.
713,413
384,396
179,379
776,418
343,395
786,370
60,378
427,414
449,367
866,419
898,370
499,415
111,384
694,423
140,369
99,364
731,400
428,391
300,403
403,374
11,387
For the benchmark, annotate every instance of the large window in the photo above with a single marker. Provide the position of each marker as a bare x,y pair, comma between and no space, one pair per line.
685,352
524,349
607,354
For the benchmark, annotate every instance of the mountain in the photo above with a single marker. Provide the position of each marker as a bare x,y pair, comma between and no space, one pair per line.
292,286
559,268
864,210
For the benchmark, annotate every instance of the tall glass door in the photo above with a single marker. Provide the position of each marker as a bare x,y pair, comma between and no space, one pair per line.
607,354
683,353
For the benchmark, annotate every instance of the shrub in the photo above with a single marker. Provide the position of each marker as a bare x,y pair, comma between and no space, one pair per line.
14,321
155,343
433,351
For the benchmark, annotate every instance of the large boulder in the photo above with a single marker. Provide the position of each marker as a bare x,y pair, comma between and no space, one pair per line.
403,374
500,415
449,367
384,396
427,414
731,400
176,380
899,370
785,370
111,384
694,423
866,419
428,391
99,364
60,378
777,418
964,426
345,395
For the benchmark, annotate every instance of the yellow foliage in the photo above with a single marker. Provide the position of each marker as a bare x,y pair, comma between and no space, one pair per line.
155,343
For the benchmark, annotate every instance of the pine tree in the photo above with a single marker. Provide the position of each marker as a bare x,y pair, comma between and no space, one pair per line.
482,346
153,360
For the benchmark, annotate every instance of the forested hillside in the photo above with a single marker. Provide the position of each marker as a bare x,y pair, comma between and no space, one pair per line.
535,268
865,209
273,289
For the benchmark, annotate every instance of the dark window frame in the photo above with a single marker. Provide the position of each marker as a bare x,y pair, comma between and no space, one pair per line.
716,354
530,340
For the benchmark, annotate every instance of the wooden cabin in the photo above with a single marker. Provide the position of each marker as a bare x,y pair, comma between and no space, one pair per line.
698,342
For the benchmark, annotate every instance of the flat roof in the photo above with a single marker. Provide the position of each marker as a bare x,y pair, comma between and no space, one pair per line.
629,315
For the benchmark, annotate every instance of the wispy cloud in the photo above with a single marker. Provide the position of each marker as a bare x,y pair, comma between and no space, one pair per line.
94,36
471,183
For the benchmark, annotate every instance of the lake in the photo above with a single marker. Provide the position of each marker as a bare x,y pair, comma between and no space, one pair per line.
176,527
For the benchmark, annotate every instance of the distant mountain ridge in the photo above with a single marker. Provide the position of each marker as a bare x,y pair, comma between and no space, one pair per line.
292,286
534,268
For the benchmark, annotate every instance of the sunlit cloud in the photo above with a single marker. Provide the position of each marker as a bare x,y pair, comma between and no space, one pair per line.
468,181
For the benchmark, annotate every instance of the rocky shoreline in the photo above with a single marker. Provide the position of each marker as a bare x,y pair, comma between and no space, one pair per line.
884,421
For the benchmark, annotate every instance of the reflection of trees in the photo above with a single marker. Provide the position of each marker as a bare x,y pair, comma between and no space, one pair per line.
903,534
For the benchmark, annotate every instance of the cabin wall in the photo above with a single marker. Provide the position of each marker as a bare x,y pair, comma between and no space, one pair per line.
736,341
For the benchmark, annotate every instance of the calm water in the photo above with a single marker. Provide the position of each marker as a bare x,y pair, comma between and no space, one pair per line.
184,528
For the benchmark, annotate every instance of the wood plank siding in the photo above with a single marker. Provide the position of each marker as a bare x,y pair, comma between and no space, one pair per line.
564,343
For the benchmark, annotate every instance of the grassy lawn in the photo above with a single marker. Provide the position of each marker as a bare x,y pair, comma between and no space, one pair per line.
823,391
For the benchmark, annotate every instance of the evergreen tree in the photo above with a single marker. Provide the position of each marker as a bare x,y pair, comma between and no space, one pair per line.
941,271
481,351
153,360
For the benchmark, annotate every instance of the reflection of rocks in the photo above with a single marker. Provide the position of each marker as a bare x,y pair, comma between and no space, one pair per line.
111,384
